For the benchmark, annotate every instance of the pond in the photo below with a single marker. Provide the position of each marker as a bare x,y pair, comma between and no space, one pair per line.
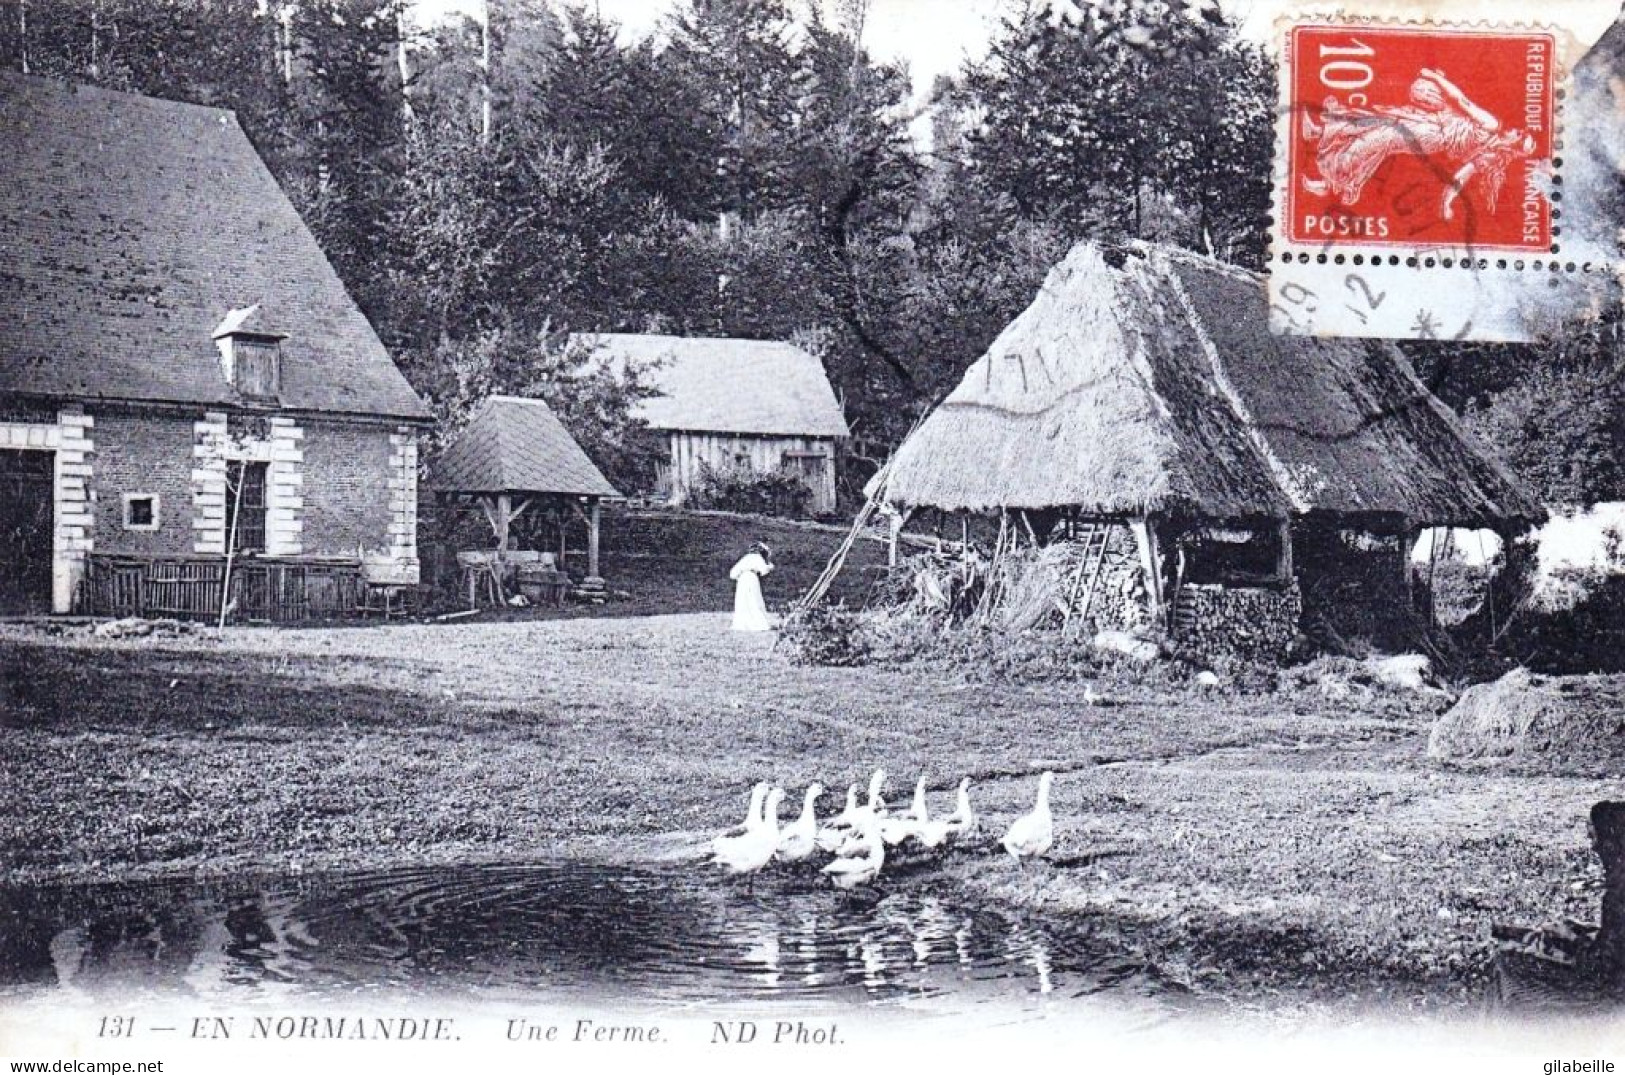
655,937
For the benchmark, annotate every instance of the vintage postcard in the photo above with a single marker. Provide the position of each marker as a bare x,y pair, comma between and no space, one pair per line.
811,535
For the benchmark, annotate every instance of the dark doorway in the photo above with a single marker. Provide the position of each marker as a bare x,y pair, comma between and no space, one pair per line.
26,519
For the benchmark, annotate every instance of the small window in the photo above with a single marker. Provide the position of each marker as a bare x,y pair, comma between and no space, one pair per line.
140,511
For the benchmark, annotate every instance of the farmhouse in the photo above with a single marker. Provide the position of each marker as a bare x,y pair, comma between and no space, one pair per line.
729,403
183,378
1222,480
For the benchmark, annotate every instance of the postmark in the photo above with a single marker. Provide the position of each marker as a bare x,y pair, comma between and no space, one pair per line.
1419,180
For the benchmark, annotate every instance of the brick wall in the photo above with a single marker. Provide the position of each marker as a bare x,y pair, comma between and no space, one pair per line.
145,454
347,494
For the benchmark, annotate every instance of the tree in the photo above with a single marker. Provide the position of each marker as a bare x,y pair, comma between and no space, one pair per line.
734,58
594,400
1127,119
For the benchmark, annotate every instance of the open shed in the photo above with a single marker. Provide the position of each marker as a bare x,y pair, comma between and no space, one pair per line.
1222,476
514,456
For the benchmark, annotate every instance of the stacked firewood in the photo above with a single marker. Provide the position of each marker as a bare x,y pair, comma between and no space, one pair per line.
1244,622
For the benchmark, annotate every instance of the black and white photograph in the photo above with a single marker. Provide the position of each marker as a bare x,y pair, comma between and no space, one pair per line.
803,534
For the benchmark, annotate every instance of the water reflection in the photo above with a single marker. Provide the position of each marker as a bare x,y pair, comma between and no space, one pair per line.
660,935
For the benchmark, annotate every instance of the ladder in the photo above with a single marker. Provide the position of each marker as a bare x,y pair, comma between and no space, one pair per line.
1096,539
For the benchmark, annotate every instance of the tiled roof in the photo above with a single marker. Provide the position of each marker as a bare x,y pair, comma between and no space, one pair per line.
729,385
130,227
515,445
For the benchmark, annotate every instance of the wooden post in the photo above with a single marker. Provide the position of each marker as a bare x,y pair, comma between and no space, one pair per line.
1407,548
594,521
504,517
1608,839
1284,529
896,531
1145,539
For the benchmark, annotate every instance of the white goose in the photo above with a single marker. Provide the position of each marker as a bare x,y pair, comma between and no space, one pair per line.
894,830
1032,833
876,806
963,821
800,837
753,816
934,832
832,834
860,869
753,850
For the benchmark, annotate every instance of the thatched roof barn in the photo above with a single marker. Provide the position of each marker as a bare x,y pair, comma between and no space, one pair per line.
1148,381
1143,385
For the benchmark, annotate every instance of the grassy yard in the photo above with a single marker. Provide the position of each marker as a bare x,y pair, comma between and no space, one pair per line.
1268,846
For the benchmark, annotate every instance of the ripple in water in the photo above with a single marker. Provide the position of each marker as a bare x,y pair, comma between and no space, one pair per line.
660,936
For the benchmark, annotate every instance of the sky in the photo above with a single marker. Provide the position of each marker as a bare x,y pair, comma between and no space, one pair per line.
936,37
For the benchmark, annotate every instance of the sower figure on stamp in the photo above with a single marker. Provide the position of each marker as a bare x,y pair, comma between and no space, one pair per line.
1439,121
750,611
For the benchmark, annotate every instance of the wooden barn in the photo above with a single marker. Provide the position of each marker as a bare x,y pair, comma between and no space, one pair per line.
1221,480
728,404
193,412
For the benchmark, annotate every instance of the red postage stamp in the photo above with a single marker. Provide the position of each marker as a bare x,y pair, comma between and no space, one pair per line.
1419,137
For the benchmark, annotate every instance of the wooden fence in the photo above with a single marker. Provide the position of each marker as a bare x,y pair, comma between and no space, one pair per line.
262,588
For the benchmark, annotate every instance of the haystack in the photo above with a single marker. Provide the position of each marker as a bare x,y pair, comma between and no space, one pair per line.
1569,725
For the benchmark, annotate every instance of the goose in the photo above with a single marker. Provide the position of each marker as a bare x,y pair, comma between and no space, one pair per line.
934,832
830,836
800,837
1032,833
876,804
748,853
875,808
851,871
753,816
963,821
894,830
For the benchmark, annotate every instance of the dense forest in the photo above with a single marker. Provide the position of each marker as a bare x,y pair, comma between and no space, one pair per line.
490,184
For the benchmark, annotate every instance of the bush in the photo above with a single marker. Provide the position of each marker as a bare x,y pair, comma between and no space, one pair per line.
751,492
825,635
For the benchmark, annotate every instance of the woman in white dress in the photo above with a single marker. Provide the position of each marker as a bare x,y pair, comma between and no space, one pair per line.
750,611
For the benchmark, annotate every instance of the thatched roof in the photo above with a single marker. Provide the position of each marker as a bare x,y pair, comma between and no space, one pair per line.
516,445
1146,379
129,227
717,385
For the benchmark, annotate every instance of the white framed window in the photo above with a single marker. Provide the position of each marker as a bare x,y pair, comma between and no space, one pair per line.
142,511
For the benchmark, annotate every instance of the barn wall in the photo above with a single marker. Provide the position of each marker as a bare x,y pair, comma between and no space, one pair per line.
347,495
143,454
762,454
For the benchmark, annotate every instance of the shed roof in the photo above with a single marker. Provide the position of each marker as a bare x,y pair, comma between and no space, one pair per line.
1147,379
130,227
516,445
720,385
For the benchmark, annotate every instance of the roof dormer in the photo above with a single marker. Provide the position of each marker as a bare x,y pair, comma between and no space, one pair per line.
250,353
